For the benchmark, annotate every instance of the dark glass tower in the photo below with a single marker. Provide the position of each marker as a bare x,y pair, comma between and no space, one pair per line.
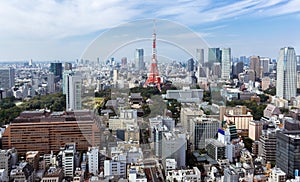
56,69
288,152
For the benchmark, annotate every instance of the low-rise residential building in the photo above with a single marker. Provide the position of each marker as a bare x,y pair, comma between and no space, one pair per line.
184,175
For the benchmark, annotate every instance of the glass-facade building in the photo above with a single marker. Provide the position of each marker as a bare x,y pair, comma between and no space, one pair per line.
139,59
56,69
203,128
226,63
288,152
7,78
286,86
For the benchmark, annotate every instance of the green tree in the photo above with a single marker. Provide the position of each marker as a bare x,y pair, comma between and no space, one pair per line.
271,91
248,143
207,96
256,109
263,98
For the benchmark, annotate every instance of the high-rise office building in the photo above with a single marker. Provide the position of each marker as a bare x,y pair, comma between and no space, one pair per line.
298,62
50,83
68,66
65,81
124,62
139,59
237,68
174,145
287,151
158,132
215,149
202,129
267,145
200,56
7,78
190,65
214,55
187,113
73,92
226,63
286,85
265,61
245,60
255,66
57,69
217,70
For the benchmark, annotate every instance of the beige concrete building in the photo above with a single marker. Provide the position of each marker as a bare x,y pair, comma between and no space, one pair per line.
265,83
187,113
241,121
255,129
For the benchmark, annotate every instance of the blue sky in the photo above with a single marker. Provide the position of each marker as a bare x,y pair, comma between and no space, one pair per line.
61,30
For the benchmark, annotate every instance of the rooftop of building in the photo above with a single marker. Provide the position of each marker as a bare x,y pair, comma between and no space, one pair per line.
205,119
53,171
291,132
135,96
47,116
31,154
278,171
184,172
214,142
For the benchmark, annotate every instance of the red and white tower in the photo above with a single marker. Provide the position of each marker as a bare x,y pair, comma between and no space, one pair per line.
153,79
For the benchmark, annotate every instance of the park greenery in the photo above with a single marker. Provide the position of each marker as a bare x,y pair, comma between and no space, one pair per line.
9,110
207,96
257,109
271,91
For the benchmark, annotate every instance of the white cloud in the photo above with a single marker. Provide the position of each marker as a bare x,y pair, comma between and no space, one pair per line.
57,19
288,7
60,19
44,21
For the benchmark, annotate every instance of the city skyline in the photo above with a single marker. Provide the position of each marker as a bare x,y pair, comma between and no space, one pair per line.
61,30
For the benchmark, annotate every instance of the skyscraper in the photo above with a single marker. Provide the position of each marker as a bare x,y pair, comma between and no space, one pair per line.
267,145
7,78
255,66
237,68
190,64
265,61
68,66
214,55
200,56
56,68
174,145
202,128
226,63
298,62
139,59
287,151
216,70
50,83
73,92
124,62
286,85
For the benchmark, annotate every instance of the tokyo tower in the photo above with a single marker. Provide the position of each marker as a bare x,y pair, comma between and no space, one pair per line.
153,79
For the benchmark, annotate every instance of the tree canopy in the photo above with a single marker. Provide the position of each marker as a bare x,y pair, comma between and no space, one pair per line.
9,110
